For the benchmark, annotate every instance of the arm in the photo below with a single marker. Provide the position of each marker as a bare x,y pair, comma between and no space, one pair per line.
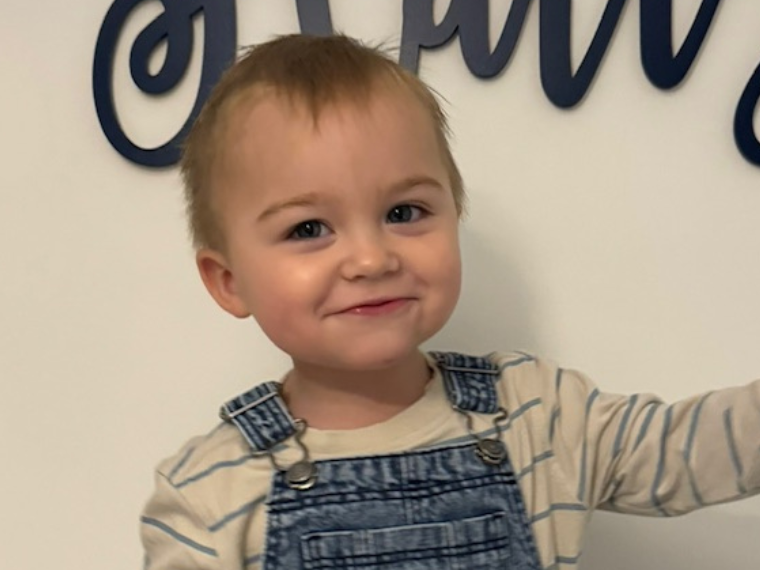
173,536
638,455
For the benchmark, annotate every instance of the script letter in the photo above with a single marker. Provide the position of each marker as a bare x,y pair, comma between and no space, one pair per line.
562,87
744,130
173,26
468,17
664,69
314,17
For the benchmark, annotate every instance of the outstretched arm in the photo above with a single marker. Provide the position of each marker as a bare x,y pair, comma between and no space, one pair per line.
639,455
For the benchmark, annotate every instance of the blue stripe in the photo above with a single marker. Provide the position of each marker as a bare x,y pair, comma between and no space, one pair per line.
189,452
694,490
248,507
582,479
556,412
727,423
693,428
521,410
252,559
181,463
516,362
535,461
653,406
615,488
215,467
557,507
690,446
558,379
568,560
655,499
618,446
177,536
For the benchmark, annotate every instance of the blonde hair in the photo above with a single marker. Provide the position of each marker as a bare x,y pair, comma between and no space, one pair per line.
314,71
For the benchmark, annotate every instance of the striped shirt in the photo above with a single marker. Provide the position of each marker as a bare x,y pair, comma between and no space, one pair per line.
573,449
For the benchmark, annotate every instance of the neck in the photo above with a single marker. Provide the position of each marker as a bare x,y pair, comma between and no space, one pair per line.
350,399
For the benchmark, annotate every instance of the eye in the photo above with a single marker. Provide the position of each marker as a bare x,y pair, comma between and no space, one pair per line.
404,213
310,229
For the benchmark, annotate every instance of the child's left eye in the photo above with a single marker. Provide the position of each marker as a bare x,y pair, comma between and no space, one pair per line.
404,213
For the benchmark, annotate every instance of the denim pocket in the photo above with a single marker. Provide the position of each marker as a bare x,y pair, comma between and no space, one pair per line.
466,544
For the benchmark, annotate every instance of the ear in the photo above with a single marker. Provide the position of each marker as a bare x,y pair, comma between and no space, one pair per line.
220,282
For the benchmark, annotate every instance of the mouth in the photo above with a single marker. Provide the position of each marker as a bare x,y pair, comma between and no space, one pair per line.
376,307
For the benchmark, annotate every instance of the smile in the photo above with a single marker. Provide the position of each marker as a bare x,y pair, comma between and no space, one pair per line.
379,307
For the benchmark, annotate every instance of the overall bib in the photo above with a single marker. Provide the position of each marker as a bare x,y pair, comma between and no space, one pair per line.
454,507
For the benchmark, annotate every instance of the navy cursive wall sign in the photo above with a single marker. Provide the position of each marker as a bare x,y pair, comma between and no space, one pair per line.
467,19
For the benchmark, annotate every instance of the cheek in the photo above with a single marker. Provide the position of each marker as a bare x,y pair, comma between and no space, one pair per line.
279,309
451,276
443,269
284,289
446,260
452,273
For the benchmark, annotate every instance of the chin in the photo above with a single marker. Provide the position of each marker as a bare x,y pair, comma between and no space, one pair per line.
358,358
378,356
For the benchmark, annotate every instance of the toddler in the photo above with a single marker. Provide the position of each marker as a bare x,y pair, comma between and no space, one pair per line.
325,203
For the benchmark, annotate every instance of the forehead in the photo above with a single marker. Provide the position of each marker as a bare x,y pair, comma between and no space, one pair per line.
266,129
385,96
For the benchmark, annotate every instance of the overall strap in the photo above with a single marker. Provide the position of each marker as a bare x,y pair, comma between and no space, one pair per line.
264,420
261,416
470,381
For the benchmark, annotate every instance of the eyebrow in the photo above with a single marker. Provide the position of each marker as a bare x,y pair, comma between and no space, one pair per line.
312,198
411,182
308,199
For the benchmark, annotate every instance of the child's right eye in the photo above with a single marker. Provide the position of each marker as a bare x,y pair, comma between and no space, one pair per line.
309,229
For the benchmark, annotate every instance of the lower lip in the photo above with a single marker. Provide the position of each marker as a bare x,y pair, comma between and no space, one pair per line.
381,309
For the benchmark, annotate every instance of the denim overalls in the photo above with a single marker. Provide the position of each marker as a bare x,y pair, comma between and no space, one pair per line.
450,507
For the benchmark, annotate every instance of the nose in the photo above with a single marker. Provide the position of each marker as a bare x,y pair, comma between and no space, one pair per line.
369,257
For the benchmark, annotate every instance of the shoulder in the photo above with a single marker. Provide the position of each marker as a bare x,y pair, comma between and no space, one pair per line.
525,375
213,476
538,390
528,376
212,483
221,446
215,458
515,370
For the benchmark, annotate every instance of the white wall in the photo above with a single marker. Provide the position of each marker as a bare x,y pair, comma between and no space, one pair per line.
622,237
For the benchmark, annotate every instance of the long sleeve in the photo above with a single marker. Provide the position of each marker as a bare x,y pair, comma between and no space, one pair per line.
172,534
638,455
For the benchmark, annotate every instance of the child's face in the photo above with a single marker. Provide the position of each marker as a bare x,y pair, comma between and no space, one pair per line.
341,237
